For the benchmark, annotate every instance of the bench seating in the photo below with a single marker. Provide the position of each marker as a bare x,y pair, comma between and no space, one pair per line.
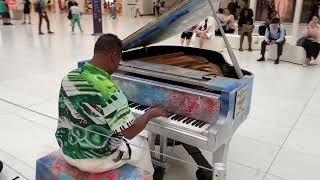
54,167
291,53
215,43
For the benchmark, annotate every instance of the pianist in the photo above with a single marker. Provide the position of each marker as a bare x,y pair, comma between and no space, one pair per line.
96,128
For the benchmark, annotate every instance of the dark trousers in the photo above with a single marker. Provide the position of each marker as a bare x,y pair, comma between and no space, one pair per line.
197,156
264,45
312,48
45,16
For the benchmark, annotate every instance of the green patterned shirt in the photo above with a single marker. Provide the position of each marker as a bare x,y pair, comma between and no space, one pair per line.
91,106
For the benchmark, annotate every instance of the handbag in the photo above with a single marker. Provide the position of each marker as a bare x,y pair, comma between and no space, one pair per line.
247,28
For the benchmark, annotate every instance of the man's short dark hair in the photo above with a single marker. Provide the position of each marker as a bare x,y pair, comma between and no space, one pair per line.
275,21
108,43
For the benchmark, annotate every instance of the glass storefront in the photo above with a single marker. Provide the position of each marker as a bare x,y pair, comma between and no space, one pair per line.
285,9
309,7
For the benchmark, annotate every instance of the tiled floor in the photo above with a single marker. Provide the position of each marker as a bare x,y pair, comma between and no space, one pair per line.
279,140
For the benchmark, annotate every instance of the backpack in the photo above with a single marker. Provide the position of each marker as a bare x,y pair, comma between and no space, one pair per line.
262,30
37,7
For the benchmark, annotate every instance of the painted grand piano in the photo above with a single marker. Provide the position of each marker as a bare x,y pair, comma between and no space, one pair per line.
209,98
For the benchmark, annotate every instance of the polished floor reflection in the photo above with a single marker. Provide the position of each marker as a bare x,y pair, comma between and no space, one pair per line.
279,140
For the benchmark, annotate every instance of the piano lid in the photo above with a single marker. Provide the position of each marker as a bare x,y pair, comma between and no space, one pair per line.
183,14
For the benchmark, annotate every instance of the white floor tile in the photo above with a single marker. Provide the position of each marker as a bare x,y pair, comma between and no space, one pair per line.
293,165
49,108
6,108
251,153
272,177
305,136
25,140
9,174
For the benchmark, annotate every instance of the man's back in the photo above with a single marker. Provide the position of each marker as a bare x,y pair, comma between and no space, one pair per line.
91,109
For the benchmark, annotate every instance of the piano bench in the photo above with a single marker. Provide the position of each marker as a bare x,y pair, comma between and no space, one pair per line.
53,166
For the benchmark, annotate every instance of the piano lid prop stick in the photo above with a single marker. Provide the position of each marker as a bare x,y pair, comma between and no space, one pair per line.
230,51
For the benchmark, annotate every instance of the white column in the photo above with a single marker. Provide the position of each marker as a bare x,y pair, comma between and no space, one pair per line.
253,6
297,16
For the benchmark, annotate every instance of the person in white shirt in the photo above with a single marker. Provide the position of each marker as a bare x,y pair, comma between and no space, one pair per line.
137,11
76,13
205,30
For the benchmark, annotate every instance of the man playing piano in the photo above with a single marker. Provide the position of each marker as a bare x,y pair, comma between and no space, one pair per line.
96,127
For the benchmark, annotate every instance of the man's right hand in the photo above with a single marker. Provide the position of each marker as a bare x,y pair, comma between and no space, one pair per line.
156,112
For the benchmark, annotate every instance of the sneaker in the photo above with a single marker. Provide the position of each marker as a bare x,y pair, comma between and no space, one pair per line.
29,23
304,65
203,174
41,33
50,32
24,23
1,166
313,62
261,59
250,49
158,173
240,49
276,62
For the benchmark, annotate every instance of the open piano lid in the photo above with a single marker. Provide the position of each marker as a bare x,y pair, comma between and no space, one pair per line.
182,15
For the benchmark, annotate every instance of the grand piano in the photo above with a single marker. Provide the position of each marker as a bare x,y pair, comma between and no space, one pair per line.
209,98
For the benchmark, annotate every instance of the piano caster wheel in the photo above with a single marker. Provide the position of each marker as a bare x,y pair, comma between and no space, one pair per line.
158,173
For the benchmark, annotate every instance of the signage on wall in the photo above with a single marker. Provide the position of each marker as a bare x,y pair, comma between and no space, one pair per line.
97,17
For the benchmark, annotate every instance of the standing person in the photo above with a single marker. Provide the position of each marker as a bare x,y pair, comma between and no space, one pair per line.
233,6
5,11
40,8
158,8
154,8
205,30
228,23
76,13
186,35
275,34
96,128
246,27
312,42
69,5
113,11
137,11
26,11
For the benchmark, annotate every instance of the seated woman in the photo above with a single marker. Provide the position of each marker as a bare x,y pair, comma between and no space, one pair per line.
204,30
312,42
186,35
246,27
228,24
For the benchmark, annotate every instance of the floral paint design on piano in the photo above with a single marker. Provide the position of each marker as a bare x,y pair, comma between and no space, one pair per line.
180,100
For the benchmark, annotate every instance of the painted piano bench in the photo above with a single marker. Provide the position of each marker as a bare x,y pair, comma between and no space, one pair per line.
54,167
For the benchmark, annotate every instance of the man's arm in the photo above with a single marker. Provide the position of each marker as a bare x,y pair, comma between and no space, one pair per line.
141,122
266,35
281,35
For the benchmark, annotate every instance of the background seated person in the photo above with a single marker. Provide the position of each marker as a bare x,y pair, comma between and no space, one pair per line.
96,127
186,35
275,34
246,27
205,30
228,24
312,42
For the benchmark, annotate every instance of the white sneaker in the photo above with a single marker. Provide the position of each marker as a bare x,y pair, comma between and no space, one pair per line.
313,62
304,65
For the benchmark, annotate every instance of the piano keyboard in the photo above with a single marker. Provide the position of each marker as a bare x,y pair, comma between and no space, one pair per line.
175,120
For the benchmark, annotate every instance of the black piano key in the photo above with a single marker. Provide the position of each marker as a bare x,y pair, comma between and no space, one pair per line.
171,115
195,122
132,105
202,124
175,117
181,118
184,121
138,107
189,121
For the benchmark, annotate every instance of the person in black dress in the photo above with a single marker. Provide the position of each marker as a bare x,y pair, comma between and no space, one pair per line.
26,11
245,20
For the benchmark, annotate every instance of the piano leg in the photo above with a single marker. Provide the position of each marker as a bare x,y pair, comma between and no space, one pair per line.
151,142
220,156
162,160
